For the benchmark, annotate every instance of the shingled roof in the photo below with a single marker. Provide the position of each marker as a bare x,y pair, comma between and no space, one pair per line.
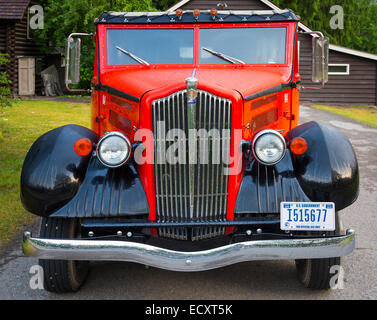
13,9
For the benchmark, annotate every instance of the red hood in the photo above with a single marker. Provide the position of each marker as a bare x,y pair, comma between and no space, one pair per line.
245,80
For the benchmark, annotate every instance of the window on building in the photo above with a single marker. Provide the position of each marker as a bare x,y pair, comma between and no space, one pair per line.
339,69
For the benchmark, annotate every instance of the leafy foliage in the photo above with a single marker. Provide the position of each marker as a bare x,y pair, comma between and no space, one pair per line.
360,16
62,17
163,5
5,92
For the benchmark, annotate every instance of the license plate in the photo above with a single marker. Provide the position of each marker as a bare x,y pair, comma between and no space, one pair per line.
307,216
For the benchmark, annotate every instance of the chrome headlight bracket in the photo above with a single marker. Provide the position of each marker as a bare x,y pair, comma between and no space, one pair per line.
279,141
123,142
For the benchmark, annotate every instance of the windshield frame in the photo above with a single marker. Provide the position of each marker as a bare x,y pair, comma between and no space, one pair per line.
248,26
289,44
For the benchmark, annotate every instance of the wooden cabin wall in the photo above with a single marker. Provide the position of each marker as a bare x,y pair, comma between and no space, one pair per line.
359,87
14,42
3,41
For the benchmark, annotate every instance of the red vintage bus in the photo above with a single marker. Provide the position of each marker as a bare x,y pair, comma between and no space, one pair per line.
194,159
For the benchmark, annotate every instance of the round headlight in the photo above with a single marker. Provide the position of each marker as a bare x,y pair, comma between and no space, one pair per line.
114,149
269,147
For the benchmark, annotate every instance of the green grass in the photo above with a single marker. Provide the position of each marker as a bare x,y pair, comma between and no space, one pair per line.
74,97
364,114
20,126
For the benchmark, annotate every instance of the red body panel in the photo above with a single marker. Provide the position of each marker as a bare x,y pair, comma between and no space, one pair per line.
234,82
248,78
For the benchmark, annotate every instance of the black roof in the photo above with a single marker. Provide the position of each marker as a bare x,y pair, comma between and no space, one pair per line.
204,17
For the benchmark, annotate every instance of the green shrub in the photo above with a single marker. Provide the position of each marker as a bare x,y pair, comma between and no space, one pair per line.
5,93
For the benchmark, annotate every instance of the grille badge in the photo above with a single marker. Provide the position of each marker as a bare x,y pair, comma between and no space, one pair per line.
192,94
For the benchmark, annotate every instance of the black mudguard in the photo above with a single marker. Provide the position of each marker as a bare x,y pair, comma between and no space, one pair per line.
56,182
108,193
52,172
264,187
327,172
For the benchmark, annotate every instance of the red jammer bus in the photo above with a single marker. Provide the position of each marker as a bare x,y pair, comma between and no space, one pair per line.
194,159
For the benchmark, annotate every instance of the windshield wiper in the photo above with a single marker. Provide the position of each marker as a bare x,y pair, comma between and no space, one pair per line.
141,61
224,56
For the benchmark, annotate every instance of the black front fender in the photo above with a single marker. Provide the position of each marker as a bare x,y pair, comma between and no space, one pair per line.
108,192
56,182
52,172
264,187
328,172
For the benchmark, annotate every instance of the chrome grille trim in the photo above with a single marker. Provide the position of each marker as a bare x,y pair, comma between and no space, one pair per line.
209,190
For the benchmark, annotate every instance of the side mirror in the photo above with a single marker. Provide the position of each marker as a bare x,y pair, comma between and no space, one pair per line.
320,60
73,61
320,63
72,68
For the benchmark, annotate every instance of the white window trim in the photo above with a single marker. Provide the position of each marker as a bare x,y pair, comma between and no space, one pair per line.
340,65
299,52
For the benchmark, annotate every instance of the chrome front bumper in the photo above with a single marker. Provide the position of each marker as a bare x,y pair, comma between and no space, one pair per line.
77,249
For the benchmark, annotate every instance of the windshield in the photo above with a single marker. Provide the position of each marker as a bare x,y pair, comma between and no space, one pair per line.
153,46
249,45
216,46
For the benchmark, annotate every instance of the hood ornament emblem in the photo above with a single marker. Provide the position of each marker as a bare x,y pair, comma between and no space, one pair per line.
192,94
192,88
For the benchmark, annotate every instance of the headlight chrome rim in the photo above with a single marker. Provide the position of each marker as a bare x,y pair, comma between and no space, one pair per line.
109,135
262,133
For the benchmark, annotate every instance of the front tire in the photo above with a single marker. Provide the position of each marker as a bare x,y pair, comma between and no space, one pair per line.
315,273
61,276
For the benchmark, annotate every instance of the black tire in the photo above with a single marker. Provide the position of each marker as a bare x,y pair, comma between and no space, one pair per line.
61,276
315,273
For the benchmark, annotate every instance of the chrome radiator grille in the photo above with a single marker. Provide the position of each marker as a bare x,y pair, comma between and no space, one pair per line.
188,191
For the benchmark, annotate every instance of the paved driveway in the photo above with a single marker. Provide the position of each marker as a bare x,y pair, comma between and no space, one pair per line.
251,280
